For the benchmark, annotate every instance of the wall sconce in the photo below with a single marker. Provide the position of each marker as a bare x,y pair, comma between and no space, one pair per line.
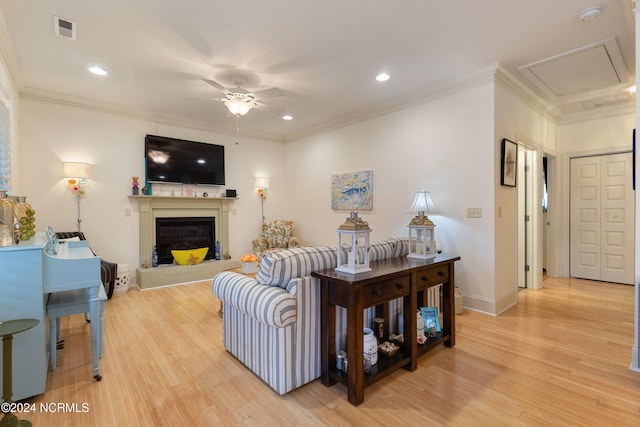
78,175
421,229
262,189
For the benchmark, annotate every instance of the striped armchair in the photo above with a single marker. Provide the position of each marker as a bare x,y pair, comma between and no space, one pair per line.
108,270
272,323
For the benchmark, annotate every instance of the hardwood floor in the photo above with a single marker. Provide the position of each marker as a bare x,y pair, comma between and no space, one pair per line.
560,357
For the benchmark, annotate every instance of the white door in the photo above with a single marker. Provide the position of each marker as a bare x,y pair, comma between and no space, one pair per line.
602,218
525,216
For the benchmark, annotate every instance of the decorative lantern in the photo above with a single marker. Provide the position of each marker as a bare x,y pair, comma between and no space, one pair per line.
353,235
422,243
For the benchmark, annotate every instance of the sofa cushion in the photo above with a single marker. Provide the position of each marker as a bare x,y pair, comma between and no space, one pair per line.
381,250
400,245
278,268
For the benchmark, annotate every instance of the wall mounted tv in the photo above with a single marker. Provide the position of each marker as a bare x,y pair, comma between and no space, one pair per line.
181,161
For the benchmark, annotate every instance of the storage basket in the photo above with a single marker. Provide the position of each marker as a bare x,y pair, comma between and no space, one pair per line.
122,279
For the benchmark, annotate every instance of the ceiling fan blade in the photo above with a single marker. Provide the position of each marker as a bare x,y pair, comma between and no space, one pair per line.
238,89
274,92
215,84
270,108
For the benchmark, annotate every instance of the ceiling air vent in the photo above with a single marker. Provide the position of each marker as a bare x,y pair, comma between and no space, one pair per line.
64,28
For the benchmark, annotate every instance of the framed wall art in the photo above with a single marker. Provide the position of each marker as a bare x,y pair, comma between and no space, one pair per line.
352,191
509,163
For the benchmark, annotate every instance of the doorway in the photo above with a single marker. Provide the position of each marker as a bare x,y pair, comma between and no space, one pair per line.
602,218
527,207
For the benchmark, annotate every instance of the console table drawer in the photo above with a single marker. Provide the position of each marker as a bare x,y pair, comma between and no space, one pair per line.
377,293
432,276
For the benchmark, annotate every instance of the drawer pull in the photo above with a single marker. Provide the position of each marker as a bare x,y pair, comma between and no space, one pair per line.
440,273
424,278
377,292
399,285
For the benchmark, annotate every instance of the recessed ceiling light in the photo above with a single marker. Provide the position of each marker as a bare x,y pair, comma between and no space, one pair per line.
287,117
98,71
589,13
382,77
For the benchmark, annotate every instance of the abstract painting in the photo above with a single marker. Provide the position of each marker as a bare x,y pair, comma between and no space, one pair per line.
352,191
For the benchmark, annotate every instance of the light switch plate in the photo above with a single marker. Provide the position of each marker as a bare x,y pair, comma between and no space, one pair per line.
474,212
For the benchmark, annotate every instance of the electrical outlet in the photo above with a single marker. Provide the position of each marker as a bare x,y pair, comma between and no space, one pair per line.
474,212
127,212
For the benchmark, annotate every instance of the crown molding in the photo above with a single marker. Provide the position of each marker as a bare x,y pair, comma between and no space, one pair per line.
460,84
66,100
598,114
524,91
491,73
8,56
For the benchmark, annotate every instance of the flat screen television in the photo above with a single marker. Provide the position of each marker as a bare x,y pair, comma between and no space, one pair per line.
180,161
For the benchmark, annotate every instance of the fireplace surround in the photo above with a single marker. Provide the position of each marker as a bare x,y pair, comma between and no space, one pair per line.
153,207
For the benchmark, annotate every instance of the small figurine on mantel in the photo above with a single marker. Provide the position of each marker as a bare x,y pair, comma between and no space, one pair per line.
134,185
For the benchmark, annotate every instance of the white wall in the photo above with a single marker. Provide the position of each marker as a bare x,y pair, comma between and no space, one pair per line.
444,146
51,134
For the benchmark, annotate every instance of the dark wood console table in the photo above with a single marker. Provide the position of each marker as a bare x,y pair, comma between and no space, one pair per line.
389,279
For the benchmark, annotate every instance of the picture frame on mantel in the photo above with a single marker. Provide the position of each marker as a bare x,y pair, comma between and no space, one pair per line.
508,163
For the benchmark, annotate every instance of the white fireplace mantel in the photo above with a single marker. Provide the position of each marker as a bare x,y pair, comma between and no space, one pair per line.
152,207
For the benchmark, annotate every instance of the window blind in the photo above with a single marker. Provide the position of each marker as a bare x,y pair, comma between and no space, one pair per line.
5,148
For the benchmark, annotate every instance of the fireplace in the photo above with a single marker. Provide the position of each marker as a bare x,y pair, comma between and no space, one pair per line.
152,208
184,233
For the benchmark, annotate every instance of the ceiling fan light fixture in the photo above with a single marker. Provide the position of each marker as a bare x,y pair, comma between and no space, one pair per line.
287,117
238,107
382,77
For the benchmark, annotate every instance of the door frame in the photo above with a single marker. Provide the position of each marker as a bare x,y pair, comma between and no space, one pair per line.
526,213
536,242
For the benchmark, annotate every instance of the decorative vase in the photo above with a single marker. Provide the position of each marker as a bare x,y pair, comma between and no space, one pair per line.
420,328
249,267
370,346
7,218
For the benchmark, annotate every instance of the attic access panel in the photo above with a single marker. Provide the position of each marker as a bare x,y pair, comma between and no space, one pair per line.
592,67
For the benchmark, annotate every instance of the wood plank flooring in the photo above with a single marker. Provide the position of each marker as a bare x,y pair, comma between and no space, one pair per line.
558,358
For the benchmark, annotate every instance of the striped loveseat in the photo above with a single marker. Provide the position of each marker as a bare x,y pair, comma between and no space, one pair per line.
272,323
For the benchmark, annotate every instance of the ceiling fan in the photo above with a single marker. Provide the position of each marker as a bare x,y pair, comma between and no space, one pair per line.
240,101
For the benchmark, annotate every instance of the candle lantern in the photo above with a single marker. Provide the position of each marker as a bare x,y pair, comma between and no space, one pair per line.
353,236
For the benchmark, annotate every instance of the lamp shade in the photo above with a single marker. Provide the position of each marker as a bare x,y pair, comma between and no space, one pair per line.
262,182
238,107
76,170
423,203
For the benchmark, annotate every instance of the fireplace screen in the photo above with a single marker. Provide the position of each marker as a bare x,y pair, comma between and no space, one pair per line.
184,233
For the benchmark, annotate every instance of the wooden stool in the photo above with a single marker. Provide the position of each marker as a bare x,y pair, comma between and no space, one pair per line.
67,303
7,330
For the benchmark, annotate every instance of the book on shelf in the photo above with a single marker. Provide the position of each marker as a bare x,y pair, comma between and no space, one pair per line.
430,316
